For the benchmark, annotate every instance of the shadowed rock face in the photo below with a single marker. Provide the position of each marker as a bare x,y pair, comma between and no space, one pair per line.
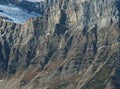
75,45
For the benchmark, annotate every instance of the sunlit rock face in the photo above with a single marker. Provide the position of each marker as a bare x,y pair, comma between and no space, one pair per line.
74,45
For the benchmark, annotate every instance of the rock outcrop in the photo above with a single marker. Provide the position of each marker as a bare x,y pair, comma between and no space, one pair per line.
75,45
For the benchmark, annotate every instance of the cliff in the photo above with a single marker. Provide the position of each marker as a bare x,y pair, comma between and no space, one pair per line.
75,45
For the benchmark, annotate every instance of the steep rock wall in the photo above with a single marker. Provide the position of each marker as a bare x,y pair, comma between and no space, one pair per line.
74,46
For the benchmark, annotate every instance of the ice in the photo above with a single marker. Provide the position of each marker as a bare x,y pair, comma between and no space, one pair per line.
15,14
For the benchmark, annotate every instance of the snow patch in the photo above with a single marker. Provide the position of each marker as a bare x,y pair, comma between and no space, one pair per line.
34,0
15,14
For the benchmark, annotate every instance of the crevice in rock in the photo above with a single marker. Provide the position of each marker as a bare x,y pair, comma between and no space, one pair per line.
68,46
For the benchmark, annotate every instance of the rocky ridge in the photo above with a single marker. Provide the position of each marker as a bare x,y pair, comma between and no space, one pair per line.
75,45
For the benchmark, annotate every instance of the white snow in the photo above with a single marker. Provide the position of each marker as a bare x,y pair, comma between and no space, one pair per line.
15,14
34,0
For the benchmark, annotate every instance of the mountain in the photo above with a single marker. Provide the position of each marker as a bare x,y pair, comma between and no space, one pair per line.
74,44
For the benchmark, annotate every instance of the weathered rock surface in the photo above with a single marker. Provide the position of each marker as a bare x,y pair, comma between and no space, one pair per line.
75,45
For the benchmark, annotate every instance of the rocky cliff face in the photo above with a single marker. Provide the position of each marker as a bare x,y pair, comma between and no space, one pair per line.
75,45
